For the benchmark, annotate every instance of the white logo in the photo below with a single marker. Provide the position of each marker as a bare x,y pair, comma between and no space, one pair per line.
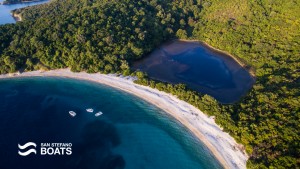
46,149
29,144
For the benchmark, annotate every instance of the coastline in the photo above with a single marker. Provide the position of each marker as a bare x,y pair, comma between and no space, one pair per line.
17,17
221,144
244,65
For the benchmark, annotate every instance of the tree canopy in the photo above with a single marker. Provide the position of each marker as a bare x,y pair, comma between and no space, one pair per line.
106,35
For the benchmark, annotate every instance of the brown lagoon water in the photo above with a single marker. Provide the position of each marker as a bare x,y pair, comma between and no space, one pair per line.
200,68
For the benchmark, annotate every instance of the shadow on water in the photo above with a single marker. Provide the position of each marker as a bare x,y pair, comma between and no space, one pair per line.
95,148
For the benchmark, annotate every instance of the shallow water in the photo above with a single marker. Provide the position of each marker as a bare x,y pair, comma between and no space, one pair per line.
5,10
201,68
130,134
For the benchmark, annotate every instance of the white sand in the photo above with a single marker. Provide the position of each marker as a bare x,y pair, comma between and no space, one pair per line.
221,144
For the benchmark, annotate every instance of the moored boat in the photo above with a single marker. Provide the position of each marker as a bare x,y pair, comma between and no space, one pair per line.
98,114
72,113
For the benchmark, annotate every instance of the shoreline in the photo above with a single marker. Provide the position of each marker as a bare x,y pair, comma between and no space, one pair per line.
17,17
242,64
224,148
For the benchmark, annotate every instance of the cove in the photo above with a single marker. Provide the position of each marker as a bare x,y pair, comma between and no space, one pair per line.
5,10
200,68
131,133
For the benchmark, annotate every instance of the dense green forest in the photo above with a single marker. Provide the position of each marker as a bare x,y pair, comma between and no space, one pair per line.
106,35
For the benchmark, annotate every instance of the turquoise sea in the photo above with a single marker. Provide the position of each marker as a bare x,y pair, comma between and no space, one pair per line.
130,134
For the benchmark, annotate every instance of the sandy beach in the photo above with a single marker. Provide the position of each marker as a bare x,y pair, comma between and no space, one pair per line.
221,144
17,17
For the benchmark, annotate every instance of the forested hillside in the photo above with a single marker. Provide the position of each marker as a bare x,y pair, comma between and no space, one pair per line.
106,35
266,35
86,35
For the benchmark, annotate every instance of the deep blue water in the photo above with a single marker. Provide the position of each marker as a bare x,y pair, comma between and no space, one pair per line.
6,17
210,71
200,68
130,134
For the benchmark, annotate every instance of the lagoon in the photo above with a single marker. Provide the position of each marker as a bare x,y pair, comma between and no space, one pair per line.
200,68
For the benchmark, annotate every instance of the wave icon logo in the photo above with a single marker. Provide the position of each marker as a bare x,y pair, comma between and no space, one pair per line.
25,146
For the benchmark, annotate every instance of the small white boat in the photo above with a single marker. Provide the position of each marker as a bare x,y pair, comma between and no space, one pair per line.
72,113
98,114
90,110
